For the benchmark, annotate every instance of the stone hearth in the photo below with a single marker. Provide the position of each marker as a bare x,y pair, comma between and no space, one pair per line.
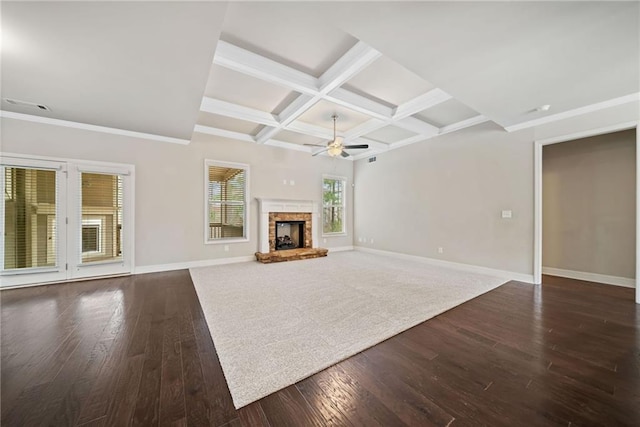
278,210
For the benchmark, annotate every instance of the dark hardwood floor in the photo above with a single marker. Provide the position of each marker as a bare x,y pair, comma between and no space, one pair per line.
137,351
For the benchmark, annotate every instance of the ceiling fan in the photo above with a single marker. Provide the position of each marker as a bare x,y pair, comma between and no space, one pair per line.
336,146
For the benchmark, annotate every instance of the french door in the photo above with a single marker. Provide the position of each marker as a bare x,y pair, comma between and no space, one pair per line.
64,220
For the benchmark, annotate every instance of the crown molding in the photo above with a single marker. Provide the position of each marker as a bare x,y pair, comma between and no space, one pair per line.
634,97
227,109
209,130
93,128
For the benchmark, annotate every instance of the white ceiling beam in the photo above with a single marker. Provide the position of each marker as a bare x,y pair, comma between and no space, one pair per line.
227,109
350,64
301,104
419,103
365,128
327,87
417,126
266,134
312,130
463,124
244,61
359,103
223,133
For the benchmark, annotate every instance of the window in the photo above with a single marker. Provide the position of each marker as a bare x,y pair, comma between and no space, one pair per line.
226,201
333,195
101,200
91,231
30,238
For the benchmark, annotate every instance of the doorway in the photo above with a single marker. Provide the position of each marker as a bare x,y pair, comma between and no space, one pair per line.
538,232
64,220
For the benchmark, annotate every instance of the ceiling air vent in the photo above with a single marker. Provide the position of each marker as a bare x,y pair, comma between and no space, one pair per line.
40,107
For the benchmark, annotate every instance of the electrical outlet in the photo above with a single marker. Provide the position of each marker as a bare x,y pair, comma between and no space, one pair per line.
507,214
371,240
292,182
324,240
359,239
284,181
226,248
440,250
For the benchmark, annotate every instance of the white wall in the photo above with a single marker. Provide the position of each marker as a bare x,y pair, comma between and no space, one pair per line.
444,192
589,205
449,192
169,183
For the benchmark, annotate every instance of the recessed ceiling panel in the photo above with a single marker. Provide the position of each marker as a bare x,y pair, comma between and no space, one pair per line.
303,44
298,138
390,134
449,112
320,115
389,81
227,123
237,88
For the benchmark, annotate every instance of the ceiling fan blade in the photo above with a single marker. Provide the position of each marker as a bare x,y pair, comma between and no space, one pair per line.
314,145
319,152
357,146
344,154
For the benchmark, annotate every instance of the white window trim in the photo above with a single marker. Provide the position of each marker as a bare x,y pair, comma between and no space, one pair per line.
247,198
69,166
344,207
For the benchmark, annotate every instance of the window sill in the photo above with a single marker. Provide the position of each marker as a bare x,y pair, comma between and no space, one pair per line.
225,241
344,234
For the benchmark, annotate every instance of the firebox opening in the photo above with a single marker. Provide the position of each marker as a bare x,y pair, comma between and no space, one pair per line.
289,235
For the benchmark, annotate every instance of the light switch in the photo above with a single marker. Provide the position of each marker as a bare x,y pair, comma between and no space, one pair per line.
507,214
292,182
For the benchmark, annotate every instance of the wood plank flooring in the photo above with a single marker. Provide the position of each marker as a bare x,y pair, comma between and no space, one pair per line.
137,351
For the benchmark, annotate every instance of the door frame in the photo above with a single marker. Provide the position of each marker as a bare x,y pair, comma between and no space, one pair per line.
537,232
58,272
70,219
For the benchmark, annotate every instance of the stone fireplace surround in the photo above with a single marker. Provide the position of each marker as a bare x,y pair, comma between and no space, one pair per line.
272,210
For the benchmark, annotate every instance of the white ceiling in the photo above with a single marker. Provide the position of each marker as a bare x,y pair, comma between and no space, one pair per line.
129,65
395,73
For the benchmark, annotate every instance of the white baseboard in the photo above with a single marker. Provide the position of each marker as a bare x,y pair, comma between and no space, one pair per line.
521,277
340,249
590,277
192,264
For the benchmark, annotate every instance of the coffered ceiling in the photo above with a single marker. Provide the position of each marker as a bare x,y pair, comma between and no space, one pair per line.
395,73
279,80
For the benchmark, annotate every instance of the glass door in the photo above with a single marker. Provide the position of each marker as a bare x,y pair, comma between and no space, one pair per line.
100,222
32,218
64,220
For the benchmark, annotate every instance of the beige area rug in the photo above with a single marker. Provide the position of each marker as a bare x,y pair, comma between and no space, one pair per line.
275,324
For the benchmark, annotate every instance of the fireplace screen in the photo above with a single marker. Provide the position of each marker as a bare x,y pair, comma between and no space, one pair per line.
289,235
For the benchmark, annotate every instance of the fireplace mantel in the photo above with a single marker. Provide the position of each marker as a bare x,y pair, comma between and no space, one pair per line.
267,206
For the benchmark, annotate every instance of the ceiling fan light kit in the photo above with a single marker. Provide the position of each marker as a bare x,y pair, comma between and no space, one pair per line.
336,146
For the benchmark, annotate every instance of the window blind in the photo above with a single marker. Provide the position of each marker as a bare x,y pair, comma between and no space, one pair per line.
30,197
101,199
226,200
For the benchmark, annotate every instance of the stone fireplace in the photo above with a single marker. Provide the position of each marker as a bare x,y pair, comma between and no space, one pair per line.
288,230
